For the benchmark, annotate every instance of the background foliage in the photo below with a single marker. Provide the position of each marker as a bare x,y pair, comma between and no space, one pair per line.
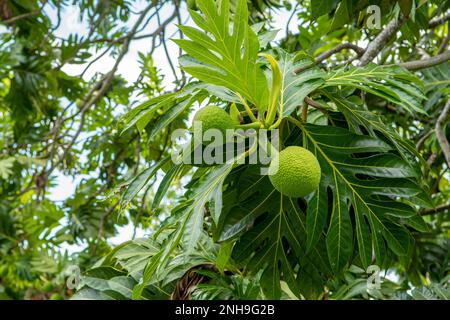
371,103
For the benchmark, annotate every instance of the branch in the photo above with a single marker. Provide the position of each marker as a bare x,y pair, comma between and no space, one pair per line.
329,53
100,88
22,16
314,104
290,19
153,34
422,140
426,63
438,209
444,43
381,39
360,51
440,132
439,20
101,227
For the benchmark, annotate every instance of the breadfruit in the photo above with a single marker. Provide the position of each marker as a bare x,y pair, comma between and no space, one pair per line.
295,172
213,117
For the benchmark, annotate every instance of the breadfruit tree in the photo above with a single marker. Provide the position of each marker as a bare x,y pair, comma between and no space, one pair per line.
348,106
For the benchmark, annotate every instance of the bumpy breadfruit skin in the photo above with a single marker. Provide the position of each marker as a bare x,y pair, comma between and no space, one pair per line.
298,173
213,117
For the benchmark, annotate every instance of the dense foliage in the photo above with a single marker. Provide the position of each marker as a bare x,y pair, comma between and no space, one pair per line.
368,98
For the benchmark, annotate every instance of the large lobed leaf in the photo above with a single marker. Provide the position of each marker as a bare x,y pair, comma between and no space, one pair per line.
393,84
295,87
221,56
361,182
271,233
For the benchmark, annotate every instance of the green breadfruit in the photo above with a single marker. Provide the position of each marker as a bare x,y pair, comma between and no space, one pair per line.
298,172
213,117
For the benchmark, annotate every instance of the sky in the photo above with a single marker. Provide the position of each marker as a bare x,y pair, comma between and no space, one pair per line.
129,69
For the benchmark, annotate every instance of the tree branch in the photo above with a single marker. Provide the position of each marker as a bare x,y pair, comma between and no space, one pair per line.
440,132
360,51
329,53
438,209
374,47
422,140
314,104
100,88
25,15
439,20
426,63
444,43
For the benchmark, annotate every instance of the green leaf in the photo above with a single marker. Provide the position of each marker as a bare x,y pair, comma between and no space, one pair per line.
187,222
340,231
266,245
224,255
358,116
363,236
165,184
269,225
139,182
405,6
342,14
296,87
142,114
6,167
393,84
321,7
168,117
364,186
316,216
135,255
222,57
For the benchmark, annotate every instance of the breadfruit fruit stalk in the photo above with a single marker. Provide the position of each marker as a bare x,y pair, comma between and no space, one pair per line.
295,172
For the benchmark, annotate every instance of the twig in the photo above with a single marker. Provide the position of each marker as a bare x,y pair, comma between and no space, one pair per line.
440,132
439,20
290,19
304,114
438,209
360,51
25,15
100,88
315,104
422,140
426,63
444,43
101,227
329,53
381,39
153,34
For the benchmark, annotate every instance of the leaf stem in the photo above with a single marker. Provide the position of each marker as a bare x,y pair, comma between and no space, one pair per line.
295,121
247,108
274,94
253,125
305,112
